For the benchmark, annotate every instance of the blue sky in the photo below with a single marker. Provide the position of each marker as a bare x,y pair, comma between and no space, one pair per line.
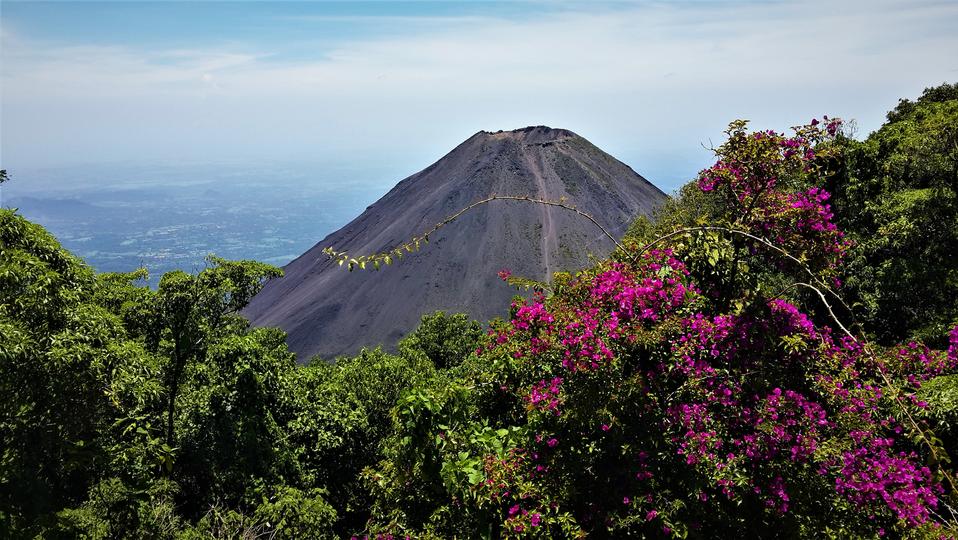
401,83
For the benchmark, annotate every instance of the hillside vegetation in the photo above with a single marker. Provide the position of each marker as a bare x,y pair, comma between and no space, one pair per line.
775,355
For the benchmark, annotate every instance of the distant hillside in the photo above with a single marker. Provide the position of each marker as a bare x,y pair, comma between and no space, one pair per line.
328,311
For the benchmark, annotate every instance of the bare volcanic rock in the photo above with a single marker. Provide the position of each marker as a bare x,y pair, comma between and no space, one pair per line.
329,311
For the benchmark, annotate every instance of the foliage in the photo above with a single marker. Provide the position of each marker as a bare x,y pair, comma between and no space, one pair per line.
87,376
444,339
114,509
896,193
936,94
368,386
58,351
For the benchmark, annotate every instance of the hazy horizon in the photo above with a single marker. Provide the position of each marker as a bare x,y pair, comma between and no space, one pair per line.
395,85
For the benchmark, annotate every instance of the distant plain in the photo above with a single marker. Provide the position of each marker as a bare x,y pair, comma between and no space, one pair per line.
164,217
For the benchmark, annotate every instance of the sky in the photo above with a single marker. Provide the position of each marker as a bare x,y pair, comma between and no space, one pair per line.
399,84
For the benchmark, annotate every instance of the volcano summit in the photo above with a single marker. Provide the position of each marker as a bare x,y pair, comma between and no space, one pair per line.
328,311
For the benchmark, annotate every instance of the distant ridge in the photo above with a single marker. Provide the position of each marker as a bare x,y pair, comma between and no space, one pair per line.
328,311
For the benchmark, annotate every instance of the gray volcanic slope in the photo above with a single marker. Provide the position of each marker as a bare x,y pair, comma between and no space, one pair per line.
329,311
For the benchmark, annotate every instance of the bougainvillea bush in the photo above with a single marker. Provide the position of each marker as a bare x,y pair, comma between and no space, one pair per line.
707,382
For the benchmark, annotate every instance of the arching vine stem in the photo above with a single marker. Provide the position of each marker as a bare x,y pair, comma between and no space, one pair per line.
387,257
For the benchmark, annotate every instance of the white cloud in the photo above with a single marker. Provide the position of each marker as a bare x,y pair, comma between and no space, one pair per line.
648,83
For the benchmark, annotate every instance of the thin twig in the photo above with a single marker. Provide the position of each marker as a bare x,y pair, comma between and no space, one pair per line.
558,204
864,344
414,243
763,241
888,384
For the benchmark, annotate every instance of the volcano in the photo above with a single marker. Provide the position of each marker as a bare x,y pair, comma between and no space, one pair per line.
328,311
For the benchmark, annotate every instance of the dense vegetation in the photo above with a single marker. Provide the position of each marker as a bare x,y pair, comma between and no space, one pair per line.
775,355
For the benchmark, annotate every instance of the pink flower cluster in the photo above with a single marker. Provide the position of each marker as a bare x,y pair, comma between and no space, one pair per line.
706,343
516,518
792,320
801,222
720,419
524,510
831,125
544,395
922,363
697,436
725,174
618,301
872,472
751,175
533,319
584,345
646,298
953,345
790,425
816,214
721,426
530,315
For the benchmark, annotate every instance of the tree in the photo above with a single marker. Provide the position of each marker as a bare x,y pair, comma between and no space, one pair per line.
3,179
90,363
896,193
192,312
446,340
68,371
936,94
